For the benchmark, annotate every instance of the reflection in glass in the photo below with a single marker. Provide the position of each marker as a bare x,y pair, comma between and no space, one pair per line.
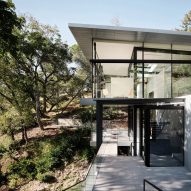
181,79
157,79
166,137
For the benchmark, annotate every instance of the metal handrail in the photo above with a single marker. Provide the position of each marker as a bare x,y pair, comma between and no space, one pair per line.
154,186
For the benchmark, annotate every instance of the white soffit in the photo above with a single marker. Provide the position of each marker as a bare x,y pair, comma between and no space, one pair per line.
112,50
84,33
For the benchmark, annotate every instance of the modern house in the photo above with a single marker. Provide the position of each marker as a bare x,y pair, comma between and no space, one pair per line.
149,72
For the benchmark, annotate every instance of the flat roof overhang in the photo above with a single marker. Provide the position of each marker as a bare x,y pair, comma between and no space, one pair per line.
140,101
84,33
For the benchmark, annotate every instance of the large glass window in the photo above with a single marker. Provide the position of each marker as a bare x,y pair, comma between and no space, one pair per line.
166,137
157,81
157,77
181,79
141,80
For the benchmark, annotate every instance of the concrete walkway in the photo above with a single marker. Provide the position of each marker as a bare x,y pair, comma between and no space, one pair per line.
127,173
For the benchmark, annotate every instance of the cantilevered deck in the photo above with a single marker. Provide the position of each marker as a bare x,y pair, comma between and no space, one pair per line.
127,173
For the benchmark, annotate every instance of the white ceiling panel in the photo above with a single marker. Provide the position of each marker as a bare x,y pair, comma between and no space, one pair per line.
84,34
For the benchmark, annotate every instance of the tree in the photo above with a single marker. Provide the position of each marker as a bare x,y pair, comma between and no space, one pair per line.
83,70
186,23
13,84
80,60
15,90
8,23
46,60
39,66
81,81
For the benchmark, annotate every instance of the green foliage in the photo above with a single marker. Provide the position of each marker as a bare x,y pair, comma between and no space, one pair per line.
87,115
37,70
9,121
110,113
47,58
45,164
6,141
87,153
2,150
2,178
181,70
14,180
8,22
83,66
186,23
49,155
34,65
23,168
79,58
57,152
47,178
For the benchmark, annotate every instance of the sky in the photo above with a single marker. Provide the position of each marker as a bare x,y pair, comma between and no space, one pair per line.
155,14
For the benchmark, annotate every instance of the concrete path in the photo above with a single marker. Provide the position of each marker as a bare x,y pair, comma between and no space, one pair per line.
122,173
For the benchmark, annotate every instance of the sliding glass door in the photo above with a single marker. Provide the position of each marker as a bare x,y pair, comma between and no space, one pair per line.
162,132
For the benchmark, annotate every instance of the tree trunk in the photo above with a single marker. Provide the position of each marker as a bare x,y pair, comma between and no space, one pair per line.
12,136
37,100
24,134
44,99
38,112
78,92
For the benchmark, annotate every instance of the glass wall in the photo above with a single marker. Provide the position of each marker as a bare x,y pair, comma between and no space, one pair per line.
142,80
181,79
151,74
166,137
157,79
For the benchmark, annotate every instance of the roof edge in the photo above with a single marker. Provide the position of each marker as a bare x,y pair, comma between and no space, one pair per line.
133,29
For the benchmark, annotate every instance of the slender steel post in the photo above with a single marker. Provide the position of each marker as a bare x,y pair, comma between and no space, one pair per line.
171,73
135,130
147,136
135,74
143,70
99,114
92,68
141,131
95,71
183,125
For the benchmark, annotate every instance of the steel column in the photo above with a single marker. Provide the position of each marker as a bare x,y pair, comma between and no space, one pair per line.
135,130
147,136
99,116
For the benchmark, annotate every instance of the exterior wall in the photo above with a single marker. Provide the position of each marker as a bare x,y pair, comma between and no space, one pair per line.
122,87
156,85
187,125
119,87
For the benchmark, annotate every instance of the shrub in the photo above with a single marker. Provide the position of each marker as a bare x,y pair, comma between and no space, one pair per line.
14,180
6,141
110,113
24,168
87,115
88,154
55,158
47,178
44,164
2,178
2,150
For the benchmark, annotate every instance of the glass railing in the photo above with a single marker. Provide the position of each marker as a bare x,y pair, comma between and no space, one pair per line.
89,182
